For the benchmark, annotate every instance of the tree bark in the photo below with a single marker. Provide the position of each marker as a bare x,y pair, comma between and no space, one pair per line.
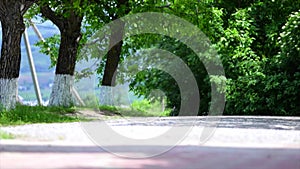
115,44
113,55
70,29
11,17
61,94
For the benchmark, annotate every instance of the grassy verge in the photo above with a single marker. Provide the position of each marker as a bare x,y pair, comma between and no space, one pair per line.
141,108
4,135
40,114
37,114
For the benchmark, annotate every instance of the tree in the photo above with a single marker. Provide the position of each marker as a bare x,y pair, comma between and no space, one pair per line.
282,86
289,41
113,55
11,17
250,52
115,10
242,64
68,19
262,73
209,20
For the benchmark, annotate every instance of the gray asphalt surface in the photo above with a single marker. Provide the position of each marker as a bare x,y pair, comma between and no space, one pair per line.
237,142
228,130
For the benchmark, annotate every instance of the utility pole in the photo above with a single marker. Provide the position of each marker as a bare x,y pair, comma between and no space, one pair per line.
32,68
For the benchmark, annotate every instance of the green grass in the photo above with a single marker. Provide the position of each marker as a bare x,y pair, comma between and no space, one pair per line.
4,135
140,108
109,108
37,114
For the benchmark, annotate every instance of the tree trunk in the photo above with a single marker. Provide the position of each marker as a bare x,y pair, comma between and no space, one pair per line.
8,93
115,44
62,94
113,57
11,17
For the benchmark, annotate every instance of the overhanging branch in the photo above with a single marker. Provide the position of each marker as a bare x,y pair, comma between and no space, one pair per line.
26,5
48,13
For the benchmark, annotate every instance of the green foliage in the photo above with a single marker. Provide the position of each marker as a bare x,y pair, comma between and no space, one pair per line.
262,73
283,83
281,94
50,47
37,114
139,108
4,135
290,44
148,107
108,108
142,105
153,79
258,42
242,65
206,17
